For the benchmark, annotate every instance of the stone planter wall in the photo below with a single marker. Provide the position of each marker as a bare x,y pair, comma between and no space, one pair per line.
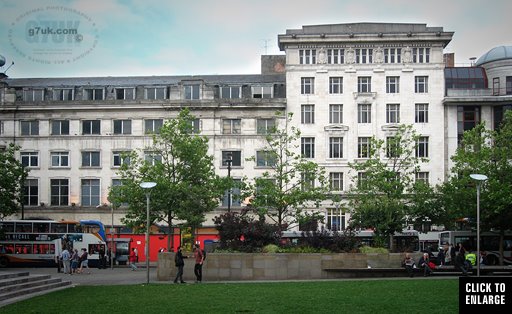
279,266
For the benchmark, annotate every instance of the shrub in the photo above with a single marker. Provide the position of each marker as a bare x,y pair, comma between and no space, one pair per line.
270,248
369,249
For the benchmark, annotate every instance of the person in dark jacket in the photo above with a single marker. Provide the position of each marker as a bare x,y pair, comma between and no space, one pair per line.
178,261
423,262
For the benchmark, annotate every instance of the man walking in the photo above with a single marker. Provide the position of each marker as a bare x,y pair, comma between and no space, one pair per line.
198,268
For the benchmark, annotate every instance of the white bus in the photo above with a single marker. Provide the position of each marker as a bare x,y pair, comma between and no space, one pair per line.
33,242
489,243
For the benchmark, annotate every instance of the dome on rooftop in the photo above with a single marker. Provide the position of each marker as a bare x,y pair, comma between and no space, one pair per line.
495,54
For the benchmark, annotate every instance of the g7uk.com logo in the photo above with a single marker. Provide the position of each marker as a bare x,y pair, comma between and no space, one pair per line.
53,35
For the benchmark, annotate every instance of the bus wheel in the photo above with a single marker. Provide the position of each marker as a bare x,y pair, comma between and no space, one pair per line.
4,262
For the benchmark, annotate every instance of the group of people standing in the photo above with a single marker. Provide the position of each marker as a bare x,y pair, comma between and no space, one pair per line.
71,260
199,256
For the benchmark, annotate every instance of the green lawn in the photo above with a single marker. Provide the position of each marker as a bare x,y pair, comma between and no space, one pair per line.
367,296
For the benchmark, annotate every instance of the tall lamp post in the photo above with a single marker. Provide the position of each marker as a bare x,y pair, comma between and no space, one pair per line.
147,186
229,161
112,238
479,178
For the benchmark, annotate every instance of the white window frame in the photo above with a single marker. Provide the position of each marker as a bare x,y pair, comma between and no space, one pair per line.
421,84
336,181
125,127
307,85
90,198
307,56
307,147
63,199
335,147
364,84
392,84
95,92
150,92
59,158
125,89
30,159
29,127
88,157
307,114
59,93
335,113
392,113
421,113
155,128
364,113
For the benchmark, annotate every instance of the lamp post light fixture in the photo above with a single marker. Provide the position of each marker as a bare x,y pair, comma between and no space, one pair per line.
229,161
147,186
479,178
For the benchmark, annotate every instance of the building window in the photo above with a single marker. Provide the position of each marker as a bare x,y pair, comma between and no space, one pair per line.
91,127
192,91
421,84
120,158
364,113
36,94
421,55
392,113
496,86
231,126
364,55
196,125
392,147
153,126
60,127
307,114
364,84
30,127
508,89
307,56
231,92
363,147
90,159
30,159
59,159
422,147
90,192
64,94
93,94
335,85
153,93
467,118
122,126
336,180
265,158
421,113
31,192
153,158
362,181
392,84
307,85
392,55
335,56
336,147
125,93
234,192
422,176
335,114
59,192
307,181
265,126
236,158
261,91
335,219
307,147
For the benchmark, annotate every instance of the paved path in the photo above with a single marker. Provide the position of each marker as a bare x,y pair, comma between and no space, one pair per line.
120,275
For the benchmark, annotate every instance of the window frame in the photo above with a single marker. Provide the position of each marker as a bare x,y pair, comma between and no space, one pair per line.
61,196
90,159
364,84
307,147
30,158
232,126
307,114
336,85
336,147
421,113
393,113
122,126
336,183
392,84
90,198
422,147
363,147
155,129
421,84
29,127
29,194
335,113
95,123
60,157
364,113
59,93
307,85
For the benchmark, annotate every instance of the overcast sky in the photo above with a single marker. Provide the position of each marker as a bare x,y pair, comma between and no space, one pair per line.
158,37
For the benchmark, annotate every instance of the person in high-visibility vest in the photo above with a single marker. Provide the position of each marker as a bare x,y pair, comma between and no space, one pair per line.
471,258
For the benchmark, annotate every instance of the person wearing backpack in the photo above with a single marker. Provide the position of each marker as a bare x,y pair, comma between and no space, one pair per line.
198,268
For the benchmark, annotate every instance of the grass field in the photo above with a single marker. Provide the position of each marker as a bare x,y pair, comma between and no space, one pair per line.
359,296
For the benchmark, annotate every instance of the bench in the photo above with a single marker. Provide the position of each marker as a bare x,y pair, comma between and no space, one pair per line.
401,272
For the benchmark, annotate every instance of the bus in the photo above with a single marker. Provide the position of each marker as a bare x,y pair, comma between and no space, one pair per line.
33,242
405,241
489,244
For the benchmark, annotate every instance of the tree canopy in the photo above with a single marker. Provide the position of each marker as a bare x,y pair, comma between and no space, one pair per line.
292,182
12,182
178,161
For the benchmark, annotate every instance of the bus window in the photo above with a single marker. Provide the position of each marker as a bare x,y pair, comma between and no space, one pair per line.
507,245
58,228
41,227
7,226
24,227
9,248
74,228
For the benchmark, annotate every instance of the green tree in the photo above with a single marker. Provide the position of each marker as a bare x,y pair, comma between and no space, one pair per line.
12,181
292,182
488,152
178,161
386,196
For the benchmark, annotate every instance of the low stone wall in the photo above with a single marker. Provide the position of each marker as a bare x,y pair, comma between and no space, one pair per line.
279,266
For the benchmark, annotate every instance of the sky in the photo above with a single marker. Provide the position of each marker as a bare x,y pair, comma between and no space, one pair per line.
203,37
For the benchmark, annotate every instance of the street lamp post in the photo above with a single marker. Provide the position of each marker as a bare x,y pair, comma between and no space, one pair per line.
479,178
147,186
112,238
229,161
